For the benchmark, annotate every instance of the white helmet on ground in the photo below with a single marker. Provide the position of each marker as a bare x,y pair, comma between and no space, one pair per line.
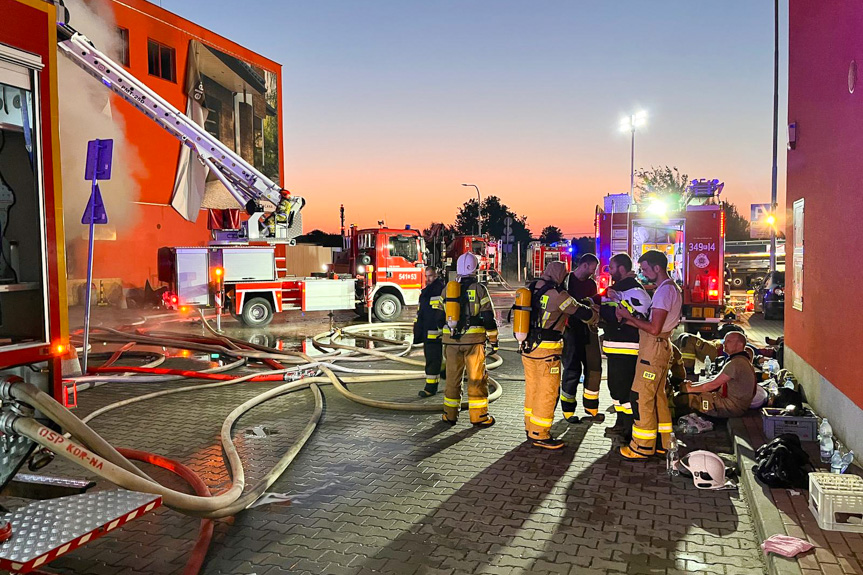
707,468
467,265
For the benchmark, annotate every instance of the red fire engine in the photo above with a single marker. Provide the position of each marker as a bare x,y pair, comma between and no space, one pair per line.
539,255
388,265
692,237
487,250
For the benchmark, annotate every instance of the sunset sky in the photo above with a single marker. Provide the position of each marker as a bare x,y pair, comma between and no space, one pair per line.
390,105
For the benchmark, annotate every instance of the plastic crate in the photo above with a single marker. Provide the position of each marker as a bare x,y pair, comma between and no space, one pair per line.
804,427
836,501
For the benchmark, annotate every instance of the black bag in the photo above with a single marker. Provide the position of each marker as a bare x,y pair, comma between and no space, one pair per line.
783,463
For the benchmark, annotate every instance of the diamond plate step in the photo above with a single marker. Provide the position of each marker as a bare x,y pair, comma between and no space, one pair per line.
45,530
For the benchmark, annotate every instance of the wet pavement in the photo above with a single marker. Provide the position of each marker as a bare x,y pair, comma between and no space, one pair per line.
377,491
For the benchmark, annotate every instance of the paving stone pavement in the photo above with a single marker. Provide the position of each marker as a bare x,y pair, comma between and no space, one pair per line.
384,492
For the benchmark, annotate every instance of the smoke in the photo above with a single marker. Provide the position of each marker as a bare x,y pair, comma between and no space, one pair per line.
86,114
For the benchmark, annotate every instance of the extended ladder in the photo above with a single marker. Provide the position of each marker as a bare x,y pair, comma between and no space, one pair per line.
245,183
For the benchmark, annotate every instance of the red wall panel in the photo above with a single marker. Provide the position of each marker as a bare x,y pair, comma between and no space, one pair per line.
826,169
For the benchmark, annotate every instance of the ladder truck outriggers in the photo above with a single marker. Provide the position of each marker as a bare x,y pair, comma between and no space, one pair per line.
245,270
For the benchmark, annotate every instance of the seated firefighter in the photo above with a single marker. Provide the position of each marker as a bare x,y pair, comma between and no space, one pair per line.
730,393
693,347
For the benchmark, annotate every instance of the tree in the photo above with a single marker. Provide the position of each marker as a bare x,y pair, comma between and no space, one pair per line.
583,245
494,212
321,238
551,235
662,183
736,226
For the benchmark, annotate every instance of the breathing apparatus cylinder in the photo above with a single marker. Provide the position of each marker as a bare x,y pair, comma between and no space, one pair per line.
452,304
521,314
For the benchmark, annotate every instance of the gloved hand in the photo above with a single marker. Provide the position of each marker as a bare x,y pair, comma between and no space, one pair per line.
495,346
418,338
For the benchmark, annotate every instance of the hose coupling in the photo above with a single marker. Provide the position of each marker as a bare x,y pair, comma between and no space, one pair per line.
6,383
7,422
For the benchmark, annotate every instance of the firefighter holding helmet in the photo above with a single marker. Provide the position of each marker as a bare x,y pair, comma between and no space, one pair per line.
467,322
548,305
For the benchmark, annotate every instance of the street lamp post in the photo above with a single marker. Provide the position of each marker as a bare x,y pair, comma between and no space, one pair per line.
629,124
478,208
775,133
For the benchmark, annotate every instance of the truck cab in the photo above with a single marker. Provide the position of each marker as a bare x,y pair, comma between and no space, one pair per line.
388,265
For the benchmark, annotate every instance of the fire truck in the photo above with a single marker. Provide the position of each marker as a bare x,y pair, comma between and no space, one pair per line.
445,251
693,238
33,315
388,265
539,255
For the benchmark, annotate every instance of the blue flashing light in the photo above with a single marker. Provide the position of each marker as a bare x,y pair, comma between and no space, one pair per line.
570,250
407,226
106,81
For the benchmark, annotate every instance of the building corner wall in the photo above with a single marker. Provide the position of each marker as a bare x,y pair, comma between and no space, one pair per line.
827,400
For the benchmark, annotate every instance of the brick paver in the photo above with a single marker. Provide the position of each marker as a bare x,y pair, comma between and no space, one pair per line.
384,492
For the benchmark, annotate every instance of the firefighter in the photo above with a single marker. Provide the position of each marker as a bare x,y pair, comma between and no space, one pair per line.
620,340
581,355
651,415
428,332
542,350
729,393
693,347
464,338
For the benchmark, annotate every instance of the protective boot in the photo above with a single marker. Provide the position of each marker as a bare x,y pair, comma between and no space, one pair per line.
631,455
549,443
622,425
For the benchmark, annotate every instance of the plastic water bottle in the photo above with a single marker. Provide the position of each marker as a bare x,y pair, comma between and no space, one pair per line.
846,461
672,457
789,383
708,367
773,387
825,434
836,462
772,366
825,429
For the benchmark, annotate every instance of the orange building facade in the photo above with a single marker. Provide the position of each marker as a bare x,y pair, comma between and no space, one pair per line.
242,99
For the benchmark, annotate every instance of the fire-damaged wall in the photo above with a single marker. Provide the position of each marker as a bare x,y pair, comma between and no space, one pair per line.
825,209
242,100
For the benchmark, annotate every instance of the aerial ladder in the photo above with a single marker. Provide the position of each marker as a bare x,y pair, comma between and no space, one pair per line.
245,183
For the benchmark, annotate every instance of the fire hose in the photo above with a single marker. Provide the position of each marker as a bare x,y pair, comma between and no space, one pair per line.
115,466
119,470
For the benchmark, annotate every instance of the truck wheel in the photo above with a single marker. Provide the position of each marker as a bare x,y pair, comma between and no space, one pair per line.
231,308
257,312
387,307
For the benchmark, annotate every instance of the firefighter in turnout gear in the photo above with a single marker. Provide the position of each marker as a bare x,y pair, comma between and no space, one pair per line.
651,415
542,350
620,341
468,321
581,355
428,332
694,348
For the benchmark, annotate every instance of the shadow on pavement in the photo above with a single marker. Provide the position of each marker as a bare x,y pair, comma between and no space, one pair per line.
491,512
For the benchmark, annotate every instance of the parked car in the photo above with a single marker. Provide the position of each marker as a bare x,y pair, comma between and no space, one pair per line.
770,296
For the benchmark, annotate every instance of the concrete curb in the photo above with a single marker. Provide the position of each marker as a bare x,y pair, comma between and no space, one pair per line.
767,519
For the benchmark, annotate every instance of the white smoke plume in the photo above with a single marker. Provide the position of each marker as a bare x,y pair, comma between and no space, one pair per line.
86,114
